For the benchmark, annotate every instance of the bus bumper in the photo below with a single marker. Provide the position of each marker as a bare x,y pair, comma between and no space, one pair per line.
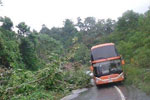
109,78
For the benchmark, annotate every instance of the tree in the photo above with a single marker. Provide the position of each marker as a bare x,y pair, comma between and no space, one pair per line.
109,26
89,23
7,23
23,29
68,33
9,50
29,54
45,29
46,45
100,27
128,20
80,24
81,54
69,27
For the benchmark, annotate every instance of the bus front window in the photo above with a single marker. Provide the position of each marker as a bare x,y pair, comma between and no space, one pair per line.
107,67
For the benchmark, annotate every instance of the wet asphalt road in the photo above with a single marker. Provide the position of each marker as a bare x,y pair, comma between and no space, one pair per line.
109,92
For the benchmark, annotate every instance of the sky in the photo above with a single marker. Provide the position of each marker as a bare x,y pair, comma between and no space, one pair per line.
52,13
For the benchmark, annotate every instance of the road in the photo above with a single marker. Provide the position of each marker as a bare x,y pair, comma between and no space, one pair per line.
111,92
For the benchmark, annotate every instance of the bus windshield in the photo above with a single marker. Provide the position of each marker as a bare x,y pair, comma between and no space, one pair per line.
108,67
103,52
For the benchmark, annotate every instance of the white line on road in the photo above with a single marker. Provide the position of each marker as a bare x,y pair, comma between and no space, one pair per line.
119,91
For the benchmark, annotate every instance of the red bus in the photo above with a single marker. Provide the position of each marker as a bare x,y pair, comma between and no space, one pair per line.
106,64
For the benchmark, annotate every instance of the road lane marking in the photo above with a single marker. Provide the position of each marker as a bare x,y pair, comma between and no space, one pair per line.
121,94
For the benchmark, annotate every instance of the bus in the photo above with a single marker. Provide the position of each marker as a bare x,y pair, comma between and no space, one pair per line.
106,64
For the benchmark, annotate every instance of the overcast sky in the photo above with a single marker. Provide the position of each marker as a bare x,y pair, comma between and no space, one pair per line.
53,12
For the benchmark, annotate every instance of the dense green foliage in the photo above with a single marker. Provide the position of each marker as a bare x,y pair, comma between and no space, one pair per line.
28,54
52,62
9,50
32,64
7,23
47,83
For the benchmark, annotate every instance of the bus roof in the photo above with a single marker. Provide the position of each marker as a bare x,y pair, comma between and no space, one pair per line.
102,45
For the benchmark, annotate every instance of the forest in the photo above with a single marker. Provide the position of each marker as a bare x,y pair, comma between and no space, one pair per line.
50,63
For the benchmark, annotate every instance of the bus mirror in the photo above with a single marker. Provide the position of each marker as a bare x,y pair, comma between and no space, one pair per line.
91,68
122,62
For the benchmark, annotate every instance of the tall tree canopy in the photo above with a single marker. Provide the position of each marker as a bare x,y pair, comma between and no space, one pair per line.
89,23
128,20
7,23
23,29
